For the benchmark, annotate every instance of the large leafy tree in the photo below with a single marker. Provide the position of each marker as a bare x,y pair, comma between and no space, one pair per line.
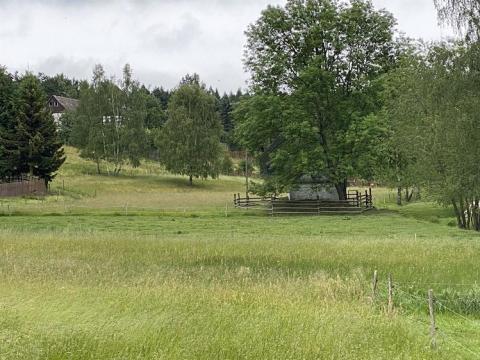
313,65
39,148
189,142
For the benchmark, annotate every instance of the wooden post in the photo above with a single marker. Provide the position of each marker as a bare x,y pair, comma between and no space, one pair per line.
370,196
246,173
374,285
390,294
366,198
433,328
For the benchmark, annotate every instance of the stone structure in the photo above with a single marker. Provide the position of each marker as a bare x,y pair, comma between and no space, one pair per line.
313,188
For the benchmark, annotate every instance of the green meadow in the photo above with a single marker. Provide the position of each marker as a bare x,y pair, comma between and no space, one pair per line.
142,266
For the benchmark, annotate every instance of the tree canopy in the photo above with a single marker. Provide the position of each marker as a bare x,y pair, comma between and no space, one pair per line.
464,15
189,142
111,119
314,66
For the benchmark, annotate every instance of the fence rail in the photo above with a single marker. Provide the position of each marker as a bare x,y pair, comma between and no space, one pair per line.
356,202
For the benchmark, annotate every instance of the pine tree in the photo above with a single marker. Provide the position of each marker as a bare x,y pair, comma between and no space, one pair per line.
40,151
8,155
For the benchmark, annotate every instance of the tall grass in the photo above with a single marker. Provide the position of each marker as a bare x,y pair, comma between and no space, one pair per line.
94,281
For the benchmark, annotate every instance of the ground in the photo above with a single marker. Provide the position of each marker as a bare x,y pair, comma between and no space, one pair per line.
142,266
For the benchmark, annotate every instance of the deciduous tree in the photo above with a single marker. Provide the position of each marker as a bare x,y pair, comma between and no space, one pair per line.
313,66
189,142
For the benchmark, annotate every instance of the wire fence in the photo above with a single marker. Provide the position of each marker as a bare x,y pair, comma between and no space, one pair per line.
440,328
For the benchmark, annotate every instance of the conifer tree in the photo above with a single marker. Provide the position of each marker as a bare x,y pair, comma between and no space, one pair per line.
39,149
7,126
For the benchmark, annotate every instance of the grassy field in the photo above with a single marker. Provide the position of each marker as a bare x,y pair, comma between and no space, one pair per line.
144,267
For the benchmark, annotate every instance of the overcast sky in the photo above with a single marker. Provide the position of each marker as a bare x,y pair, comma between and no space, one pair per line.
161,39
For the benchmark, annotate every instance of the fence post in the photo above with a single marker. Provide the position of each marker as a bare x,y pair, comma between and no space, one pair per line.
433,328
390,294
366,198
371,197
374,285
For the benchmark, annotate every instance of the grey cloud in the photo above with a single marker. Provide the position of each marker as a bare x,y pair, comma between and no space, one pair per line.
161,39
78,68
184,33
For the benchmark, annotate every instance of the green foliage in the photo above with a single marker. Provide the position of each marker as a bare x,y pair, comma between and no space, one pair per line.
189,142
110,121
59,85
435,107
227,166
83,286
313,68
37,143
8,153
65,125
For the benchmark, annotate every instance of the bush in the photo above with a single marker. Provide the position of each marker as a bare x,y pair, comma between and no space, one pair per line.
227,167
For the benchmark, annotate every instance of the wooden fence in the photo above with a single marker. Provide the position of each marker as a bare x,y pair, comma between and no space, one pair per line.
22,186
356,202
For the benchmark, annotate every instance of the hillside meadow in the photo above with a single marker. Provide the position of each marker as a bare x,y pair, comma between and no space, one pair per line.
142,266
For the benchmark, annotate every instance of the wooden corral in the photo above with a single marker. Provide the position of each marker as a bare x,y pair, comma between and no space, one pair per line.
356,203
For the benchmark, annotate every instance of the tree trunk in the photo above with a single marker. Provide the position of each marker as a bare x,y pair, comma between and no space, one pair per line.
463,216
409,195
342,190
190,180
98,166
458,215
399,196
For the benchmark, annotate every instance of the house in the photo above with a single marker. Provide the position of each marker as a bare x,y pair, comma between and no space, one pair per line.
58,105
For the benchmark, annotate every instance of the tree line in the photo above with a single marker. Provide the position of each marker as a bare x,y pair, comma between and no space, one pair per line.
336,91
188,129
117,122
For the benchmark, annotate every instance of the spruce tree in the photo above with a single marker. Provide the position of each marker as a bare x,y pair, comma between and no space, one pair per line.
40,150
8,154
